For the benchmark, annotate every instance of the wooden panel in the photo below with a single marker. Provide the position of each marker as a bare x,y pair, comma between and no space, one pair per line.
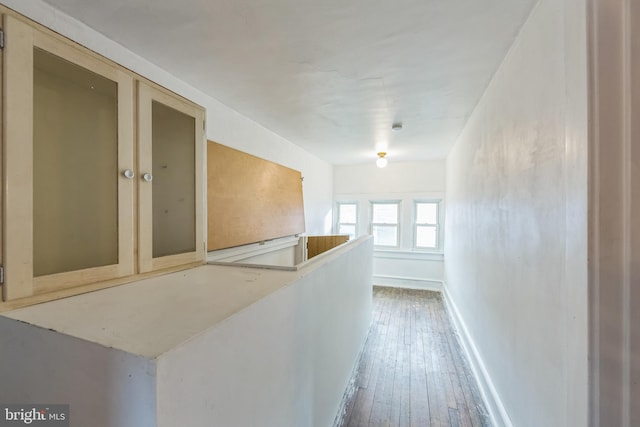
250,199
19,130
147,93
319,244
18,133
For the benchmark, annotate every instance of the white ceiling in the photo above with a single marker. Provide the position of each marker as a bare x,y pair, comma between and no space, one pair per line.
328,75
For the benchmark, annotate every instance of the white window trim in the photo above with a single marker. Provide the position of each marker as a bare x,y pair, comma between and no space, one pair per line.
399,221
338,223
437,225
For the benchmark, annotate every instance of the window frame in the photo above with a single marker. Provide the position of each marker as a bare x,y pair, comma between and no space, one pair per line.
436,225
338,222
372,224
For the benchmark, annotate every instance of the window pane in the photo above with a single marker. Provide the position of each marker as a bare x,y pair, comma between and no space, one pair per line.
75,167
347,213
426,237
385,213
426,213
174,208
347,229
385,235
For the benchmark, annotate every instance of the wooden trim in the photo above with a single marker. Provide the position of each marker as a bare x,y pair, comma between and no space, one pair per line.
145,203
614,213
58,281
126,187
90,287
18,134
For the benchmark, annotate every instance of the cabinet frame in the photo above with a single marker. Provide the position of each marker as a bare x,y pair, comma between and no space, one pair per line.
146,262
20,287
18,78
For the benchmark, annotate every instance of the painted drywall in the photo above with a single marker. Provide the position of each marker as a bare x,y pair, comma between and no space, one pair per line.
284,361
103,386
240,346
516,234
404,182
224,125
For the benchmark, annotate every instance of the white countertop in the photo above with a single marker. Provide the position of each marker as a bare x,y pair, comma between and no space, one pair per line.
154,315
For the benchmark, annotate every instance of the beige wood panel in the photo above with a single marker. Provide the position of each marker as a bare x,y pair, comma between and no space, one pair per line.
250,199
146,95
319,244
18,79
18,132
126,188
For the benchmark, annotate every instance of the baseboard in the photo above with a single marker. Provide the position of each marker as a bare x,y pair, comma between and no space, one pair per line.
352,385
497,412
407,282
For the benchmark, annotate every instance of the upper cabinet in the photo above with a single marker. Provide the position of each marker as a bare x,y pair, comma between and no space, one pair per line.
73,193
171,189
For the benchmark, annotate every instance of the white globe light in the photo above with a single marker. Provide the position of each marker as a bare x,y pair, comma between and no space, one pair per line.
381,162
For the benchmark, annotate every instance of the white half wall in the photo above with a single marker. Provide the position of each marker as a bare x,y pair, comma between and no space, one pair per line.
208,346
405,182
284,361
224,125
103,386
516,226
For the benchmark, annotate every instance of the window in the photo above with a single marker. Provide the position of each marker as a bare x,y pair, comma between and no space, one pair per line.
426,225
347,219
384,223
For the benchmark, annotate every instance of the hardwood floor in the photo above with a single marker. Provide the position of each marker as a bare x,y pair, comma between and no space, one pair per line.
412,371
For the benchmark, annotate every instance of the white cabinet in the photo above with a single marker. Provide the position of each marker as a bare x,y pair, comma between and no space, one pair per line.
79,180
171,189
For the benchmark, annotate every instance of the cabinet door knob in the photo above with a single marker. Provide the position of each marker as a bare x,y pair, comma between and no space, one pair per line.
147,177
128,173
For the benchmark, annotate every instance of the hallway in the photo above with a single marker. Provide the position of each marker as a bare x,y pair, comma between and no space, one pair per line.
412,371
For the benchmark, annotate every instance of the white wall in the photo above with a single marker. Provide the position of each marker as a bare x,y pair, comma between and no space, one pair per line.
224,125
208,346
103,386
284,361
406,182
516,234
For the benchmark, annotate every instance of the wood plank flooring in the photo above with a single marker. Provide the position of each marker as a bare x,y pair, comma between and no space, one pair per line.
412,371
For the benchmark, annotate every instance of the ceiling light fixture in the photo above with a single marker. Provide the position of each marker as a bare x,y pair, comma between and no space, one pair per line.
382,160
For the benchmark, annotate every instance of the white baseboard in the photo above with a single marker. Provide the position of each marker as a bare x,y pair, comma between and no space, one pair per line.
497,412
407,282
352,385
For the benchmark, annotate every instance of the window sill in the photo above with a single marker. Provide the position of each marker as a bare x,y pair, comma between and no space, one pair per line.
408,254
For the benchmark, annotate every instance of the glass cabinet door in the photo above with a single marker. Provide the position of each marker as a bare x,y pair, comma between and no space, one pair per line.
171,174
69,134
